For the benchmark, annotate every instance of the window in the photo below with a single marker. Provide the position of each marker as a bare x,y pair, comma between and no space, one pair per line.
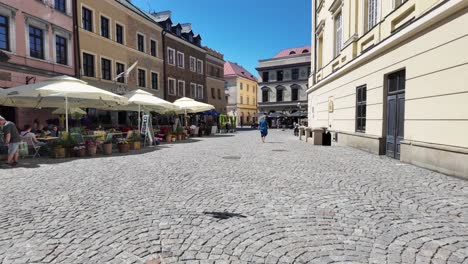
87,17
141,78
181,88
265,96
279,76
295,74
154,81
4,33
61,50
141,42
193,90
279,95
213,95
193,67
104,27
200,66
180,60
153,49
170,56
265,76
200,91
88,65
338,34
36,42
119,33
241,86
171,83
119,69
361,97
106,69
60,5
399,3
219,94
294,94
241,100
371,14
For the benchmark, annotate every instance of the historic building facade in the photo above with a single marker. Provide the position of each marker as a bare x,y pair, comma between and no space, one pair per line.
283,81
241,92
390,78
36,43
215,80
185,60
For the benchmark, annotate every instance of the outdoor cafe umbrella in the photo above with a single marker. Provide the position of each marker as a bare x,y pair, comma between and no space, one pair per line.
58,92
188,105
276,115
259,115
71,110
298,114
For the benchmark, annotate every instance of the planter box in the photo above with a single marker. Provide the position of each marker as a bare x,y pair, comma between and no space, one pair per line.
107,149
80,152
124,148
135,145
91,150
59,153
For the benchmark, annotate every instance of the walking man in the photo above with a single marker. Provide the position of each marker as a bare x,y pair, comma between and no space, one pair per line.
263,126
12,140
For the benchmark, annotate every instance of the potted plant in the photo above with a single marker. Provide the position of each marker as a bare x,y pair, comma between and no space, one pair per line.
79,151
180,132
91,148
168,137
174,137
58,149
135,140
107,147
68,144
123,146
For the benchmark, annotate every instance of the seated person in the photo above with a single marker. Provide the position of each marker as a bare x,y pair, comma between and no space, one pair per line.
26,133
54,132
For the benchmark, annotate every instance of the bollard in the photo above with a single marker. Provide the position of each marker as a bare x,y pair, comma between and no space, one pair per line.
301,132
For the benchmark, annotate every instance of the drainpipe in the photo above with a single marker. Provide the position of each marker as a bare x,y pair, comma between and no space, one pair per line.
163,36
314,39
76,42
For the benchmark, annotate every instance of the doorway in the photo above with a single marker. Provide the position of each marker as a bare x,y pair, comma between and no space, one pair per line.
395,113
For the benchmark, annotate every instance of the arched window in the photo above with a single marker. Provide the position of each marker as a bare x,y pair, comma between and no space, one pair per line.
292,53
265,95
295,92
279,94
305,51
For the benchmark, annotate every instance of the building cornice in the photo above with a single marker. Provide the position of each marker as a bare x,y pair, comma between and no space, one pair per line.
141,18
286,57
214,59
283,66
172,36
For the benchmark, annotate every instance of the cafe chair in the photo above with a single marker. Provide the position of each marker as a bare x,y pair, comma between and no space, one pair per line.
35,148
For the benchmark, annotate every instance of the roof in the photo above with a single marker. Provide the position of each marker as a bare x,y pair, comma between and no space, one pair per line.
135,9
186,27
234,69
162,16
293,51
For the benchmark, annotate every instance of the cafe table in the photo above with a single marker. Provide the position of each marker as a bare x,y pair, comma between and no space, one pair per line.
47,139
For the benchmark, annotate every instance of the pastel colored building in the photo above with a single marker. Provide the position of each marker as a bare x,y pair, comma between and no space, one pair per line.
216,95
36,43
390,78
283,81
241,92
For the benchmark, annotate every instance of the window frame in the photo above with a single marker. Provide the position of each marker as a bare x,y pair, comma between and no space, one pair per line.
152,81
278,74
173,56
101,32
267,93
193,92
280,91
183,88
42,39
153,49
200,69
139,34
169,79
83,53
361,102
66,62
102,58
372,12
295,74
139,70
118,24
91,22
182,66
7,26
200,95
193,68
294,90
267,74
64,6
124,80
338,33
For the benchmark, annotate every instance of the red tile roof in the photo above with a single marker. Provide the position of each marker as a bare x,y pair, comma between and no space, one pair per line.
292,51
234,69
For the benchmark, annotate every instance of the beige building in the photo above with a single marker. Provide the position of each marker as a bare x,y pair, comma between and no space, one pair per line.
215,80
391,78
113,35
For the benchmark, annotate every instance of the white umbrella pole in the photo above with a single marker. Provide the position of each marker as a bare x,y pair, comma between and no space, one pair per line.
139,118
66,113
185,111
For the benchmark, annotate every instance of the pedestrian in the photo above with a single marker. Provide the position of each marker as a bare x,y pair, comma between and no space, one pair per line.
12,140
263,126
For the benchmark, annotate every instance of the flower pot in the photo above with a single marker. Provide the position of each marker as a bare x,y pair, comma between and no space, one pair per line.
173,139
59,152
179,137
80,152
91,150
107,149
69,152
136,145
169,139
123,148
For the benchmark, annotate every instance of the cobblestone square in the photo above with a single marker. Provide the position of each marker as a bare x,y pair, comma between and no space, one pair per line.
232,199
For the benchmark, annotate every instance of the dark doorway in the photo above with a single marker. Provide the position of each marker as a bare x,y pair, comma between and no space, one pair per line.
395,113
8,113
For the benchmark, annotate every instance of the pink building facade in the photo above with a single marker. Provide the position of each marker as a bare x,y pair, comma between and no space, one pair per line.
36,43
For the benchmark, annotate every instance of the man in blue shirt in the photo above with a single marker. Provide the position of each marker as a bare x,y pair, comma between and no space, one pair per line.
263,126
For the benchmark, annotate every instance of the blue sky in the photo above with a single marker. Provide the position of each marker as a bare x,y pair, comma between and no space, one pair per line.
244,30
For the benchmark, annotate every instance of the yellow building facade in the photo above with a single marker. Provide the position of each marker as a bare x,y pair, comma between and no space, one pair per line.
390,78
241,90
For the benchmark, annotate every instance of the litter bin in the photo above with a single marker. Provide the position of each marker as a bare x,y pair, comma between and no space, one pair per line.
326,138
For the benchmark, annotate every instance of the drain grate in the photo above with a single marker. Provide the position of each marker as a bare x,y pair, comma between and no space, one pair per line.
232,157
280,150
224,215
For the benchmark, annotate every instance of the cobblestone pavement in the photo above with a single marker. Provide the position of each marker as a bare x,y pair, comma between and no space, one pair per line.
232,199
